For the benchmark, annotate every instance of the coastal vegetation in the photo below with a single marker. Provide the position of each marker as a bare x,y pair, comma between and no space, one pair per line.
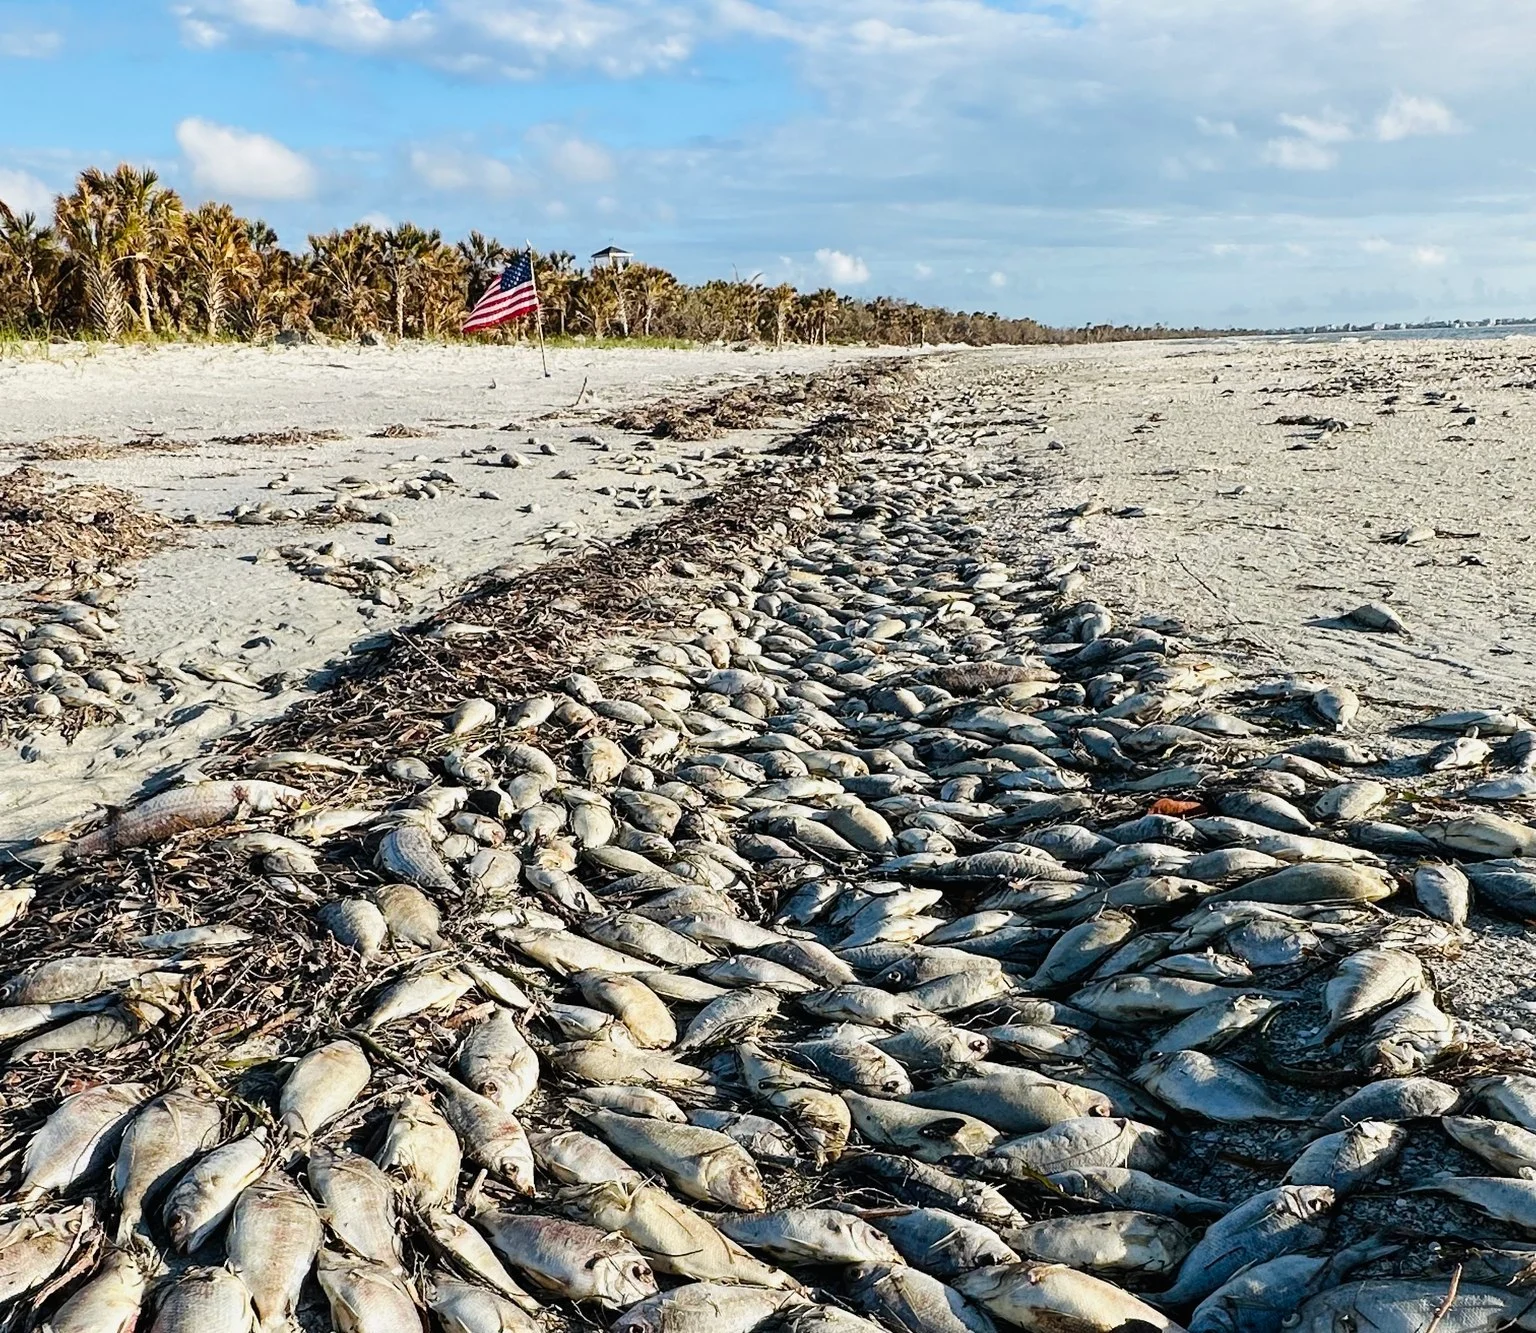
123,256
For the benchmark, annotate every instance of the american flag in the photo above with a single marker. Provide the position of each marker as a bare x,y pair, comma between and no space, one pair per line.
510,296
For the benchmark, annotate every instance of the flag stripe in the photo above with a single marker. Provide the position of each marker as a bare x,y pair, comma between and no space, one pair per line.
513,294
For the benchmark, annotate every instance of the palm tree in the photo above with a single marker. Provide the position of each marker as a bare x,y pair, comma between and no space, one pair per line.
148,219
780,301
484,257
656,288
219,258
348,279
32,253
403,252
88,220
558,280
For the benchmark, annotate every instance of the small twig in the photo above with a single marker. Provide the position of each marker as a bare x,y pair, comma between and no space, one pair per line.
1447,1303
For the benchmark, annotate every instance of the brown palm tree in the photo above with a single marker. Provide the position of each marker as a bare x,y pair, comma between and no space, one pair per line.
90,225
219,259
483,256
348,277
656,290
148,220
32,254
403,253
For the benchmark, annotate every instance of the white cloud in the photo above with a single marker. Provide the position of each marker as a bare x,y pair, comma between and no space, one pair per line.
378,221
242,164
30,45
1429,256
1216,129
1405,117
923,270
451,171
843,269
24,193
572,157
1299,155
997,279
508,38
1329,129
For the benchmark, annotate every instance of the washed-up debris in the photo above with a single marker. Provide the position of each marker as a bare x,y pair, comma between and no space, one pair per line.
856,921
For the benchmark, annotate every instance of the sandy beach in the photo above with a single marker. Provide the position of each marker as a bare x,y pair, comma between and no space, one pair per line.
220,597
945,780
1197,504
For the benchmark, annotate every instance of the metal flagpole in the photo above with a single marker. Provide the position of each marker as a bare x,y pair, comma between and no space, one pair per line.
538,310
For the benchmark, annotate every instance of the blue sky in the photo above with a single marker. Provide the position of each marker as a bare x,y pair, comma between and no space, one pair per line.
1254,162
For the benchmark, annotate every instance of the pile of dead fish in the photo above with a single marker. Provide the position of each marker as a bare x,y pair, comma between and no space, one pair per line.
57,650
881,952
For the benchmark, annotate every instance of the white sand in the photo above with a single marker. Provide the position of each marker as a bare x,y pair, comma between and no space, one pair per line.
208,601
1179,429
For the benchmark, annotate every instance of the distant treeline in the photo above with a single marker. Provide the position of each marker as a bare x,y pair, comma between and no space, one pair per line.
123,256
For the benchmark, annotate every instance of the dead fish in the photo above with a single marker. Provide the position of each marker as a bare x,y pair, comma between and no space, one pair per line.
469,716
495,1060
1109,1243
636,1006
1463,752
469,1251
1013,1101
939,1242
914,1302
1337,705
205,1300
356,923
203,1198
157,1144
731,1019
1350,1158
412,917
1271,1223
819,1117
274,1235
465,1307
1506,1147
192,939
181,809
411,995
493,1137
1202,1085
577,1262
1087,1141
406,852
1442,891
928,1135
1377,616
1391,1099
1126,1188
673,1238
1410,1305
1350,801
421,1151
35,1246
366,1297
1044,1298
705,1307
697,1162
811,1236
75,978
358,1204
110,1302
1408,1038
1512,1201
325,1082
79,1140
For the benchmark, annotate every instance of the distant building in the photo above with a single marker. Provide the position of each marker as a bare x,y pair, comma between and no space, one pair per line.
610,256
